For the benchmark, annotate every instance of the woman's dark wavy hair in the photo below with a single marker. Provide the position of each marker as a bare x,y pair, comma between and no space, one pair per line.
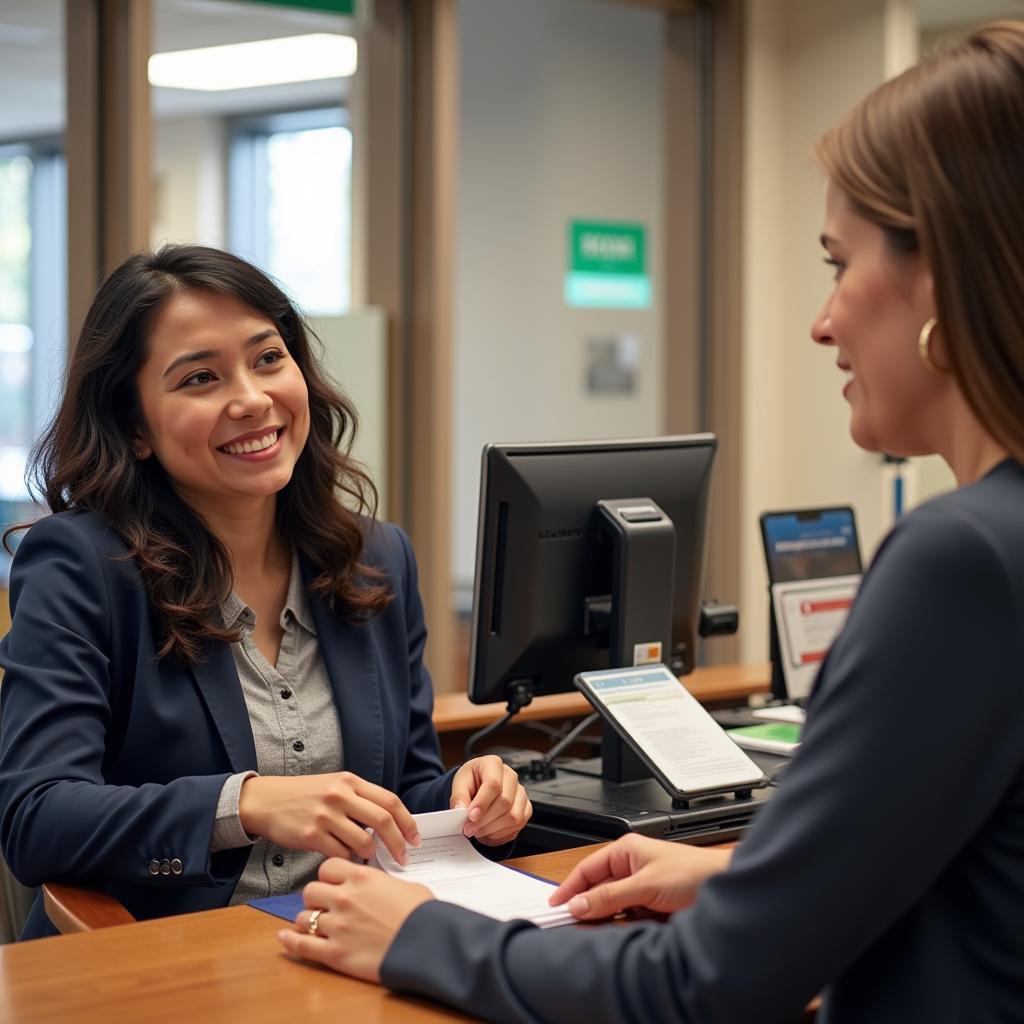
85,459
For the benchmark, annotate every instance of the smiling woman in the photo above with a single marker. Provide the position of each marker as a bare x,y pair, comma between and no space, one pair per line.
888,870
881,295
214,675
222,421
165,347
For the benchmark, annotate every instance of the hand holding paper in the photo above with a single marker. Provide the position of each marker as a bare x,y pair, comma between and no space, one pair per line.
498,805
449,866
361,908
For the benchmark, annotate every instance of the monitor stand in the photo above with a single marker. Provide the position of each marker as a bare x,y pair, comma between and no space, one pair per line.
603,798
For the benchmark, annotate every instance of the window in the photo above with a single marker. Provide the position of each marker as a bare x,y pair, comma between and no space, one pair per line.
15,332
291,202
33,317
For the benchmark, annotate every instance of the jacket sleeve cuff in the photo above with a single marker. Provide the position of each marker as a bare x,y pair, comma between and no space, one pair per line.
465,968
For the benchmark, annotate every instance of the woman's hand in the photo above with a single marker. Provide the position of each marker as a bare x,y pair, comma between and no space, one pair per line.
498,804
361,910
326,813
636,871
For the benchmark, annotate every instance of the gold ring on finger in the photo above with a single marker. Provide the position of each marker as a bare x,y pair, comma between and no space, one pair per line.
314,920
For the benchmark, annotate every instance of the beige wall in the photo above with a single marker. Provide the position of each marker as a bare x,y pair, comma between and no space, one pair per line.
807,63
560,119
189,168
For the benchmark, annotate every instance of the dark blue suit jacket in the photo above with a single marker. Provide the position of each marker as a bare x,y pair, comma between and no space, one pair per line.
110,759
888,869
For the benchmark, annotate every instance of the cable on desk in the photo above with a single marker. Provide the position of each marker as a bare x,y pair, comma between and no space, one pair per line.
568,738
554,732
519,695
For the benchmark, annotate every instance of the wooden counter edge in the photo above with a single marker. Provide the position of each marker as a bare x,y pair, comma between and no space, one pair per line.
453,711
75,909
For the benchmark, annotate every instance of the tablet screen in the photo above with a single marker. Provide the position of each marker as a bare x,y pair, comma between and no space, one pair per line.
810,544
663,722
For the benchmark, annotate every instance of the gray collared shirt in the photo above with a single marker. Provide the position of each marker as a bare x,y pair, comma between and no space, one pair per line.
295,730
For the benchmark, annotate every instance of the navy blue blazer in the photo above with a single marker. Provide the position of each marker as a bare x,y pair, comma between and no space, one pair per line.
888,869
110,759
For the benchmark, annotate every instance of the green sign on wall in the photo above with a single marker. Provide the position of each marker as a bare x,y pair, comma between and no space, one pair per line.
333,6
607,266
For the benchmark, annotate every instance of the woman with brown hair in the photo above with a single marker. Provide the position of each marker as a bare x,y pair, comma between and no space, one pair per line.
888,871
214,675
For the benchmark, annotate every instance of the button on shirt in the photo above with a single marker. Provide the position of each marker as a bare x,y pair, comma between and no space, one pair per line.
295,730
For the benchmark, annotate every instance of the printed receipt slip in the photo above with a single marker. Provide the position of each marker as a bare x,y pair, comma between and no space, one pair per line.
448,864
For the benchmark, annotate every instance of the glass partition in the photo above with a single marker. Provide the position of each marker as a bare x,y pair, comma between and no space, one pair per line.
253,147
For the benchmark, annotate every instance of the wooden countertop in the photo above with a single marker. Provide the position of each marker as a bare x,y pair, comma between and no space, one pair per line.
718,683
216,966
227,965
220,965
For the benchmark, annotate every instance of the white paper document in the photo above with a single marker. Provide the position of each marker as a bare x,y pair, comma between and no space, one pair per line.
809,614
448,864
790,713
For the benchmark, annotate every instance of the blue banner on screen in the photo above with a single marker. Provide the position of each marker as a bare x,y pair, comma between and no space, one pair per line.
810,545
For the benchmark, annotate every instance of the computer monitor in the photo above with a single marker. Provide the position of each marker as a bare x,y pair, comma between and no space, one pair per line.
585,551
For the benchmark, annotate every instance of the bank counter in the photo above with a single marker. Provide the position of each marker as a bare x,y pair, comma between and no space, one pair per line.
223,965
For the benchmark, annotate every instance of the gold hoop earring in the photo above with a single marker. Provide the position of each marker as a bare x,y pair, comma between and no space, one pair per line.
924,340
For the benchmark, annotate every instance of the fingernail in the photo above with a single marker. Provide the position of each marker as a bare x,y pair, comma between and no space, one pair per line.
469,831
458,804
474,815
415,840
579,905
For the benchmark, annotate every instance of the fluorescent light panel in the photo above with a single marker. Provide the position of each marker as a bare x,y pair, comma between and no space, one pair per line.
261,62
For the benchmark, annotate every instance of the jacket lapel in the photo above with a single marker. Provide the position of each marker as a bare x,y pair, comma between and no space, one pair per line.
217,679
348,653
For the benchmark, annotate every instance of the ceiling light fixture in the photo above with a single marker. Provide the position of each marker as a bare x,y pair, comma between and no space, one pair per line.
261,62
